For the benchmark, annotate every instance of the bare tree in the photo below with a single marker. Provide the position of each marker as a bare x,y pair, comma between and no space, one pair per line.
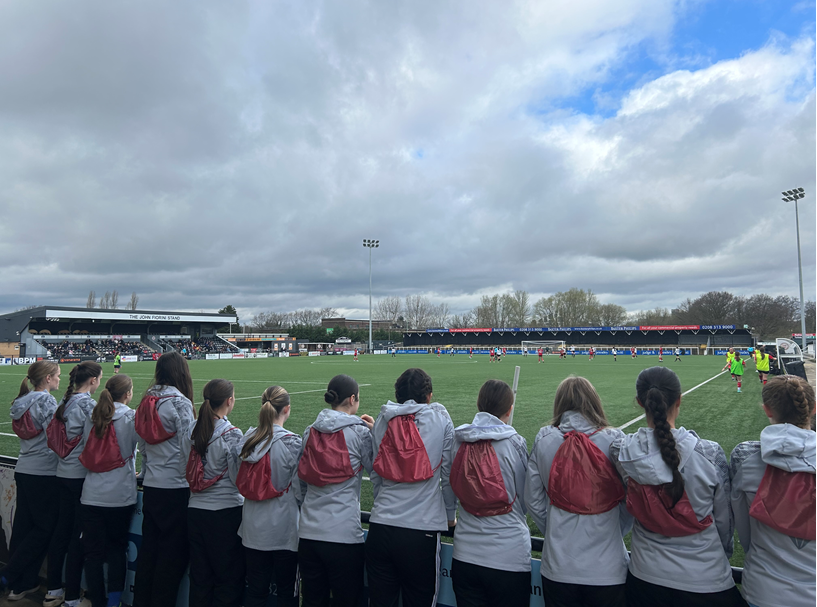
114,300
417,311
519,309
134,301
91,303
462,321
610,315
328,313
388,308
438,316
658,316
105,301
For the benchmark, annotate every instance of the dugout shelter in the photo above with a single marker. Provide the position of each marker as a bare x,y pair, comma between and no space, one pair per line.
28,333
692,337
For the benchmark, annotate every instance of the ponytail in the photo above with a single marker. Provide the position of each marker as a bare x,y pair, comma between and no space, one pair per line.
80,374
658,389
37,374
215,393
275,399
115,390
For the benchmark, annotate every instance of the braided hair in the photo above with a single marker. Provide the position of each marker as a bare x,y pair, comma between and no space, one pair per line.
657,390
791,399
273,402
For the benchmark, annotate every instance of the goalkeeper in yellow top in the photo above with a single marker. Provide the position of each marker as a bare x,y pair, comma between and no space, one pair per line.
736,368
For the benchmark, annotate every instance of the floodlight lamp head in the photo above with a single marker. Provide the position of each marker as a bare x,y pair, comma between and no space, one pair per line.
800,190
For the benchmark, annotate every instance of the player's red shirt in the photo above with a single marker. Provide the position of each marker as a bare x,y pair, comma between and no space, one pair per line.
539,351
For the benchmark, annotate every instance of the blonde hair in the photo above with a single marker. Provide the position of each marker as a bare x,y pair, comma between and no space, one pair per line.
274,400
37,374
578,394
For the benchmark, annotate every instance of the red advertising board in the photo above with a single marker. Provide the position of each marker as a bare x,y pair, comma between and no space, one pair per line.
669,327
469,330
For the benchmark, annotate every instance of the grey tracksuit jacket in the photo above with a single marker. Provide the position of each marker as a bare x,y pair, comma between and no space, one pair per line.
222,454
273,524
585,549
779,569
163,465
117,487
76,412
332,513
426,505
35,456
698,562
501,541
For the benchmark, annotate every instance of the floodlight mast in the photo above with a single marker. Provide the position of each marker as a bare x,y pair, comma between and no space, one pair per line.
370,244
794,195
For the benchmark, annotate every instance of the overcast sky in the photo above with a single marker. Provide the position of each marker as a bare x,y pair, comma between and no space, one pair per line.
212,153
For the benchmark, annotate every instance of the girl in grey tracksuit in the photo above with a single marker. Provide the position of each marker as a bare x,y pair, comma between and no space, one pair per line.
491,562
681,549
109,496
214,512
75,408
403,544
572,537
330,548
35,477
780,558
269,527
163,555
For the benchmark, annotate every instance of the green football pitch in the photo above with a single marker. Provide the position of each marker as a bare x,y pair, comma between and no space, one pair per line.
713,408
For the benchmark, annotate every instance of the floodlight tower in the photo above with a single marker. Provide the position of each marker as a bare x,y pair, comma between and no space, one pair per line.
373,244
794,195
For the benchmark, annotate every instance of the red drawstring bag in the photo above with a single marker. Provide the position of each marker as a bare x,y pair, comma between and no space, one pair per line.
582,479
325,460
57,438
477,480
194,471
148,424
785,501
102,454
653,508
254,480
24,427
402,456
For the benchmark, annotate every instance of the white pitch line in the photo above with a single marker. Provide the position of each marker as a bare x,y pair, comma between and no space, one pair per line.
7,434
643,415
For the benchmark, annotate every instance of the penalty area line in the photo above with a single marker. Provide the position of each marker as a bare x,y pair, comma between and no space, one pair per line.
643,415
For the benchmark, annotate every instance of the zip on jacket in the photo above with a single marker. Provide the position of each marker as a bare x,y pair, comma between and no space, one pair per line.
117,487
425,505
697,562
501,541
595,540
778,569
222,454
78,409
35,457
332,513
273,524
163,465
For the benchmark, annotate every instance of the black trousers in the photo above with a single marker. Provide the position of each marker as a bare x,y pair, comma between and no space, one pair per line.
105,540
329,567
477,586
216,557
402,561
65,544
261,565
560,594
644,594
163,554
34,520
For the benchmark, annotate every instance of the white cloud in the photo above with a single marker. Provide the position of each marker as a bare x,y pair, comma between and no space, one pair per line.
201,155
